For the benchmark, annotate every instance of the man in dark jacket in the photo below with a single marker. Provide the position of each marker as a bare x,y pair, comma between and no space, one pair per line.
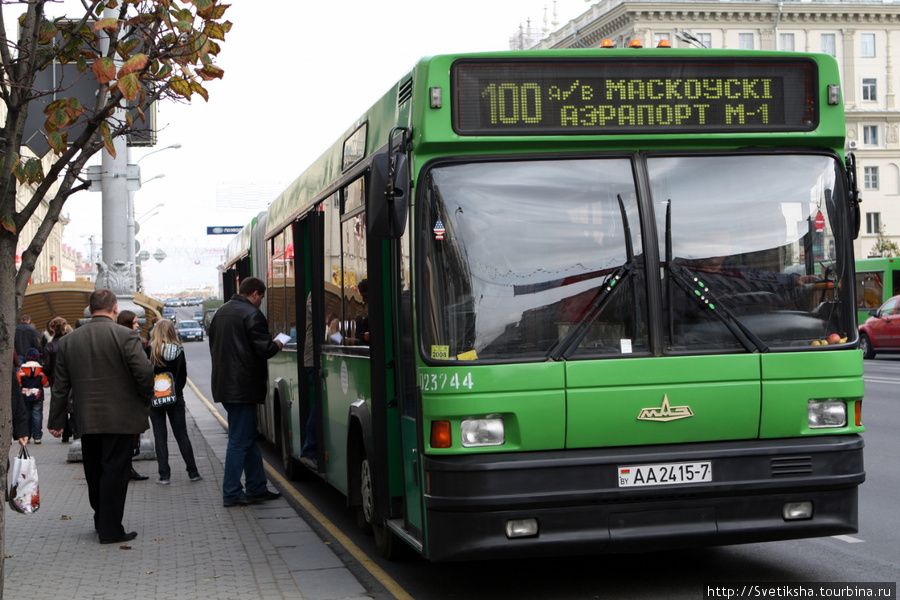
111,379
240,344
27,338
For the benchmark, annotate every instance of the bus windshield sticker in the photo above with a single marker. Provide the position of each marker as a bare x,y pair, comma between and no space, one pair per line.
609,96
440,352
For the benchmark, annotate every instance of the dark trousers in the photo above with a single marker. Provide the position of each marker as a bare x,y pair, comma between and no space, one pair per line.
177,418
107,469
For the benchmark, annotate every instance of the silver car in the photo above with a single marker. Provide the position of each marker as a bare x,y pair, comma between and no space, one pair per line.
190,330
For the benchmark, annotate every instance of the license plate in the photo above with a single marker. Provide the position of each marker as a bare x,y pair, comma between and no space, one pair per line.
665,474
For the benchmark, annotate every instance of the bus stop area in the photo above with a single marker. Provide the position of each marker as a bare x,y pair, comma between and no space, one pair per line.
188,544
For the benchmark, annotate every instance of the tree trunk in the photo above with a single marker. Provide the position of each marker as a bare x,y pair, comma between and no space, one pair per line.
8,321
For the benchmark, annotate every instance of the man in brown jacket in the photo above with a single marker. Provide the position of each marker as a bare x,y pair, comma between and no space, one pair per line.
111,379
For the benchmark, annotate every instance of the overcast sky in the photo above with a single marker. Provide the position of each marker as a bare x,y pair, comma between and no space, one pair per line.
297,74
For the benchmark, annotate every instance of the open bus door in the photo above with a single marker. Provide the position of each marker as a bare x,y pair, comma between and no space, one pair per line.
308,245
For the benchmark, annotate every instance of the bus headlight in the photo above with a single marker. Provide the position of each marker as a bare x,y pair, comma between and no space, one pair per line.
482,432
824,414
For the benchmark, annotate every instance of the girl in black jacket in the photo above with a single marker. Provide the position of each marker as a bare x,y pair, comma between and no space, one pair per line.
167,356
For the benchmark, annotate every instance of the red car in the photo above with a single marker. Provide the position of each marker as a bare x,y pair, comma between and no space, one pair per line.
881,331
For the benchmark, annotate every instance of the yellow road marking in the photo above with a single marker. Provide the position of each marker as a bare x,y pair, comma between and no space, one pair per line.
377,572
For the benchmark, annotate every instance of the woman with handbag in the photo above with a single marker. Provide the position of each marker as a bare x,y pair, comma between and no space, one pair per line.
170,367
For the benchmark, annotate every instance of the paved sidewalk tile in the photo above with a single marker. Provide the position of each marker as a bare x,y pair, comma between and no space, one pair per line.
188,545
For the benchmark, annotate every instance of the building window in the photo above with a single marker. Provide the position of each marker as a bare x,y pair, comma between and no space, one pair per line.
745,41
870,135
828,44
873,223
786,42
871,178
868,89
867,47
705,39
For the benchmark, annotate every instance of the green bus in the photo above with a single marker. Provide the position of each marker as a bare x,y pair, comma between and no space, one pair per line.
581,301
875,283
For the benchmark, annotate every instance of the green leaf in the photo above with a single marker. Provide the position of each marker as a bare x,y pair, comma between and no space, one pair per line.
58,141
8,224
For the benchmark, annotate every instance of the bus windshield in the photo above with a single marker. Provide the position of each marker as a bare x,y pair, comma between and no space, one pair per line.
543,259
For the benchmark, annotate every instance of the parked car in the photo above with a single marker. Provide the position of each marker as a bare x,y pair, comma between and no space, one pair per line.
190,330
881,331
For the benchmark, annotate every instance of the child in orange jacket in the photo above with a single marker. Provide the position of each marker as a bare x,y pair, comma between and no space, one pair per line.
33,380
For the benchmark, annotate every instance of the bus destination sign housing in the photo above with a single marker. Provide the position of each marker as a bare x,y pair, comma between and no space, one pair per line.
593,96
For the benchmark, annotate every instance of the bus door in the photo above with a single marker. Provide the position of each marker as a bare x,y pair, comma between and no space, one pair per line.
410,407
308,244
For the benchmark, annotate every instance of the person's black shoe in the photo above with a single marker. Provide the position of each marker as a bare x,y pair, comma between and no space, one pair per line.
137,476
125,538
244,501
266,495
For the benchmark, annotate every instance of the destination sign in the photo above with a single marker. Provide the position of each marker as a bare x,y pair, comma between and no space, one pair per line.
614,96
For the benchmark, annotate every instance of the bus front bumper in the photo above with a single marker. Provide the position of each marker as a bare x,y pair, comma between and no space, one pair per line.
578,507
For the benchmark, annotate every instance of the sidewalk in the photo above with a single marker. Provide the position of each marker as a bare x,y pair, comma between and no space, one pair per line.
188,546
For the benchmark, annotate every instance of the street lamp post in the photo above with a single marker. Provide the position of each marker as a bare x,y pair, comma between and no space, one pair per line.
132,248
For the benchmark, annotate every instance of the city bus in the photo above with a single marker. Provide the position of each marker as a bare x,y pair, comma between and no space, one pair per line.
875,283
572,302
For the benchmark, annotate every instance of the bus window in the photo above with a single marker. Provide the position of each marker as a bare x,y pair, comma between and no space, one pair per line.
495,290
354,323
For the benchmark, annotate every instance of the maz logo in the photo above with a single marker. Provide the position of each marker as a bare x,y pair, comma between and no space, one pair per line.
665,412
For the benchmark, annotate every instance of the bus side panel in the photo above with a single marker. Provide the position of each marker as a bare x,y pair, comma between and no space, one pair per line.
663,400
346,380
792,380
528,397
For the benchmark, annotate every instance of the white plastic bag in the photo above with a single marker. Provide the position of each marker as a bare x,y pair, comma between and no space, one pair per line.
24,494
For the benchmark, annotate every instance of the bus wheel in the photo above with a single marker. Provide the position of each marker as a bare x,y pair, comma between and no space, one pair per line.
386,542
865,344
292,468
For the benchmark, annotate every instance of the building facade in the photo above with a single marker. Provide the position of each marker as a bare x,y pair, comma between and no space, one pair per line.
57,260
863,35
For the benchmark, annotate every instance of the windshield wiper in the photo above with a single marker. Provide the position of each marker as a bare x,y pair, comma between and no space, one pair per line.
706,298
571,342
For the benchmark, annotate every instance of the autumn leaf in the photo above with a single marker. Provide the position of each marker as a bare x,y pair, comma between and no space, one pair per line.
110,24
104,70
8,224
104,131
133,64
181,87
130,86
210,72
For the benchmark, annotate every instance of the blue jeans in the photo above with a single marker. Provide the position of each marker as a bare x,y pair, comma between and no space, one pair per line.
36,419
242,455
176,416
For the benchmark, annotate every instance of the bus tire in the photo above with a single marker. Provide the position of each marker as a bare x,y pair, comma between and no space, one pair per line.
865,344
386,542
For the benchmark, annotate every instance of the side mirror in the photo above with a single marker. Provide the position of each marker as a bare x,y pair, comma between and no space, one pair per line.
388,196
873,312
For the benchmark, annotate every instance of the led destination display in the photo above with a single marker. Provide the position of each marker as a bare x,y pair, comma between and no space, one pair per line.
597,96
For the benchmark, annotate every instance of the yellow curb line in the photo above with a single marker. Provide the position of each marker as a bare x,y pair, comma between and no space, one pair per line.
377,572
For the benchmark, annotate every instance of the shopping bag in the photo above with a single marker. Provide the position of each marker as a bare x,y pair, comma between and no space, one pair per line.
24,494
